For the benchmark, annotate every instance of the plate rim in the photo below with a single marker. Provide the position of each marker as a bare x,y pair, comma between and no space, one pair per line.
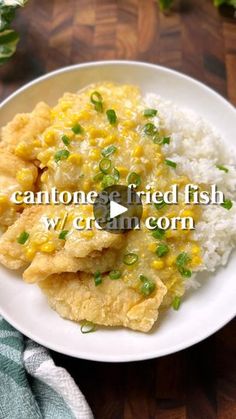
152,354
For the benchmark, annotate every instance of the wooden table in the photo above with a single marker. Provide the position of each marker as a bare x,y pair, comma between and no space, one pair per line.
200,382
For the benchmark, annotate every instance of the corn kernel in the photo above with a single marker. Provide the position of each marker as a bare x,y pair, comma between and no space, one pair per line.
148,165
44,156
85,115
196,260
23,150
170,260
36,143
92,141
88,234
65,105
86,186
97,133
196,249
95,154
44,177
187,213
49,137
75,158
30,252
25,178
152,247
48,247
157,264
122,170
129,123
138,151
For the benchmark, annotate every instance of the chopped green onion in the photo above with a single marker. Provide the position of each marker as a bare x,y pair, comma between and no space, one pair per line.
65,139
108,180
23,237
109,150
150,113
97,278
134,179
220,167
162,250
166,140
160,204
130,258
96,99
185,272
77,129
116,175
148,286
150,129
63,234
176,303
98,177
115,274
182,259
158,233
170,163
157,139
87,327
105,165
227,204
61,155
153,223
111,116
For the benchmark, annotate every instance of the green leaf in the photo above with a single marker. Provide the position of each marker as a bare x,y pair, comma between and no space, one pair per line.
8,43
219,3
165,4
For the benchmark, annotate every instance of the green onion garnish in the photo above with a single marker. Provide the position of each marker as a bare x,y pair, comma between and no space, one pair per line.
87,327
150,113
98,177
158,233
166,140
176,303
23,237
160,204
170,163
130,258
63,234
148,286
77,129
65,139
134,179
115,274
96,99
227,204
181,261
153,223
157,139
162,250
150,129
220,167
116,175
108,180
109,150
111,116
97,278
61,155
105,165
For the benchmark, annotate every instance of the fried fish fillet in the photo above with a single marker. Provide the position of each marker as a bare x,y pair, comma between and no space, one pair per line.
112,303
74,254
24,129
15,174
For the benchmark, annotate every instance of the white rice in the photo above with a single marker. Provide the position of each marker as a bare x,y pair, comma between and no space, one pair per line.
197,148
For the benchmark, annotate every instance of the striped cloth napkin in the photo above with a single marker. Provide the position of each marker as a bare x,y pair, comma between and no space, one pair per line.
31,386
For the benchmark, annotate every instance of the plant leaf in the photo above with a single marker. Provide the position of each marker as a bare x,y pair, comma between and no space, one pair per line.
8,43
165,4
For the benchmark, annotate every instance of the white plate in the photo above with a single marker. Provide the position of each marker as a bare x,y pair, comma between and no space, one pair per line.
204,311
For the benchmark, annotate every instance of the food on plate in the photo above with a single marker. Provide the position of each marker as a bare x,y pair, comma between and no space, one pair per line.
109,134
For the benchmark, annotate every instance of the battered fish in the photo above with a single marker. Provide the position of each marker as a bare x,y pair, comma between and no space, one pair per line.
112,303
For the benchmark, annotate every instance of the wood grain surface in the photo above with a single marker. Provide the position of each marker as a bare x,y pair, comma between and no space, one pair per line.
200,382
